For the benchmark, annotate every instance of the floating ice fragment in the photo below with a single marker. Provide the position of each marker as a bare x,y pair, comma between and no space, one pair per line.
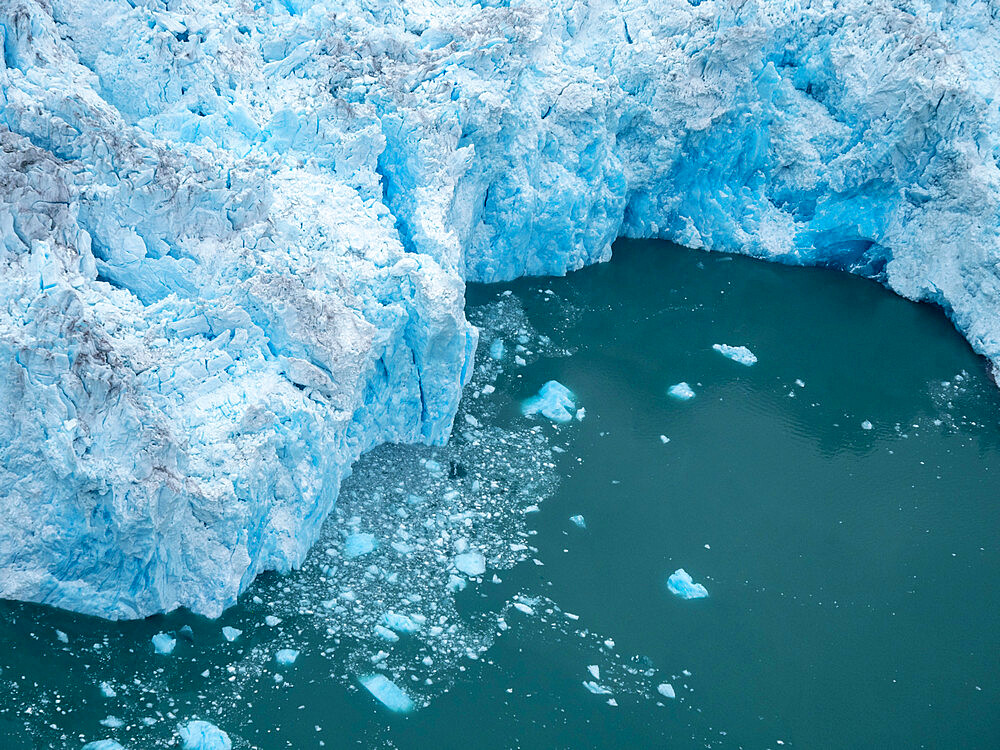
456,583
387,693
360,544
203,735
107,691
164,644
62,637
286,656
595,671
866,425
595,688
112,722
681,391
664,439
231,634
579,521
554,400
399,623
497,349
383,632
736,353
680,583
272,621
103,745
522,607
471,563
666,690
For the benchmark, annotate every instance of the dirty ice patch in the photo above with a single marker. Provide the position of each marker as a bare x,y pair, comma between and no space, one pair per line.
680,584
681,391
203,735
736,353
554,401
388,693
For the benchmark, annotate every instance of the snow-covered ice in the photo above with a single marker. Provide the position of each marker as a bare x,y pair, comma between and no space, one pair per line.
680,584
739,354
234,236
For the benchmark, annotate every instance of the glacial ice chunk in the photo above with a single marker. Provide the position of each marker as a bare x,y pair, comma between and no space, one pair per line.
681,391
739,354
471,563
286,656
666,690
103,745
497,349
203,735
680,584
388,693
164,644
554,401
359,544
230,633
579,521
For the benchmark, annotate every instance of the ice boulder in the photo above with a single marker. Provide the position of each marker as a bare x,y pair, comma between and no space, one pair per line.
203,735
680,584
554,401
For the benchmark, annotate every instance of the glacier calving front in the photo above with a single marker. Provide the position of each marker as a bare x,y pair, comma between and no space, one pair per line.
234,236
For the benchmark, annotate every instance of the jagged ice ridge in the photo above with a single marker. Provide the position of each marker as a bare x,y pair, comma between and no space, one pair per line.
234,235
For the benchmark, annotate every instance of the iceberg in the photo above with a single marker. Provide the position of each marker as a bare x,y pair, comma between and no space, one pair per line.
388,693
739,354
554,401
164,644
681,391
286,656
680,584
203,735
234,237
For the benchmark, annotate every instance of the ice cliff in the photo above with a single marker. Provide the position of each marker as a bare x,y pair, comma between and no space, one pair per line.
234,235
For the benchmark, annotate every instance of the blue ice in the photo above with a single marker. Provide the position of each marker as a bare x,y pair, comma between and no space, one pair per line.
286,656
739,354
388,693
554,401
231,634
164,644
359,544
681,585
203,735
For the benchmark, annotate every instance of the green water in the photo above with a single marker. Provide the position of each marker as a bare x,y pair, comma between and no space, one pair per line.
852,573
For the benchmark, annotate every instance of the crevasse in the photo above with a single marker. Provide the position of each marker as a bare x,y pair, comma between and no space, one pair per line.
234,236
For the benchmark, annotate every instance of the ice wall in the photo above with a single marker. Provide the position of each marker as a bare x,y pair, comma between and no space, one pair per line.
234,235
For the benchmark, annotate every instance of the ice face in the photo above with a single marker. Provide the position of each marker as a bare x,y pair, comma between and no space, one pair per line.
234,236
203,735
680,584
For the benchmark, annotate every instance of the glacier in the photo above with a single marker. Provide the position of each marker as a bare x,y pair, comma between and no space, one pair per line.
234,236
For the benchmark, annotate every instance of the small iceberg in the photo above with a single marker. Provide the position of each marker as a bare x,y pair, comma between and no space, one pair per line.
736,353
203,735
360,544
471,563
497,349
681,585
231,634
681,391
286,656
554,400
666,690
579,521
399,623
164,644
388,693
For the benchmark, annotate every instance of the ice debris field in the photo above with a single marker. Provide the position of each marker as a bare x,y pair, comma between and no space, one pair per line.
234,237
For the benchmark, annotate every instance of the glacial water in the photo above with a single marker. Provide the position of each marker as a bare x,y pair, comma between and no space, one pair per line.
838,499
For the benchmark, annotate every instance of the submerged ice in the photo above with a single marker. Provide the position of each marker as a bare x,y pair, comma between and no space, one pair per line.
234,237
